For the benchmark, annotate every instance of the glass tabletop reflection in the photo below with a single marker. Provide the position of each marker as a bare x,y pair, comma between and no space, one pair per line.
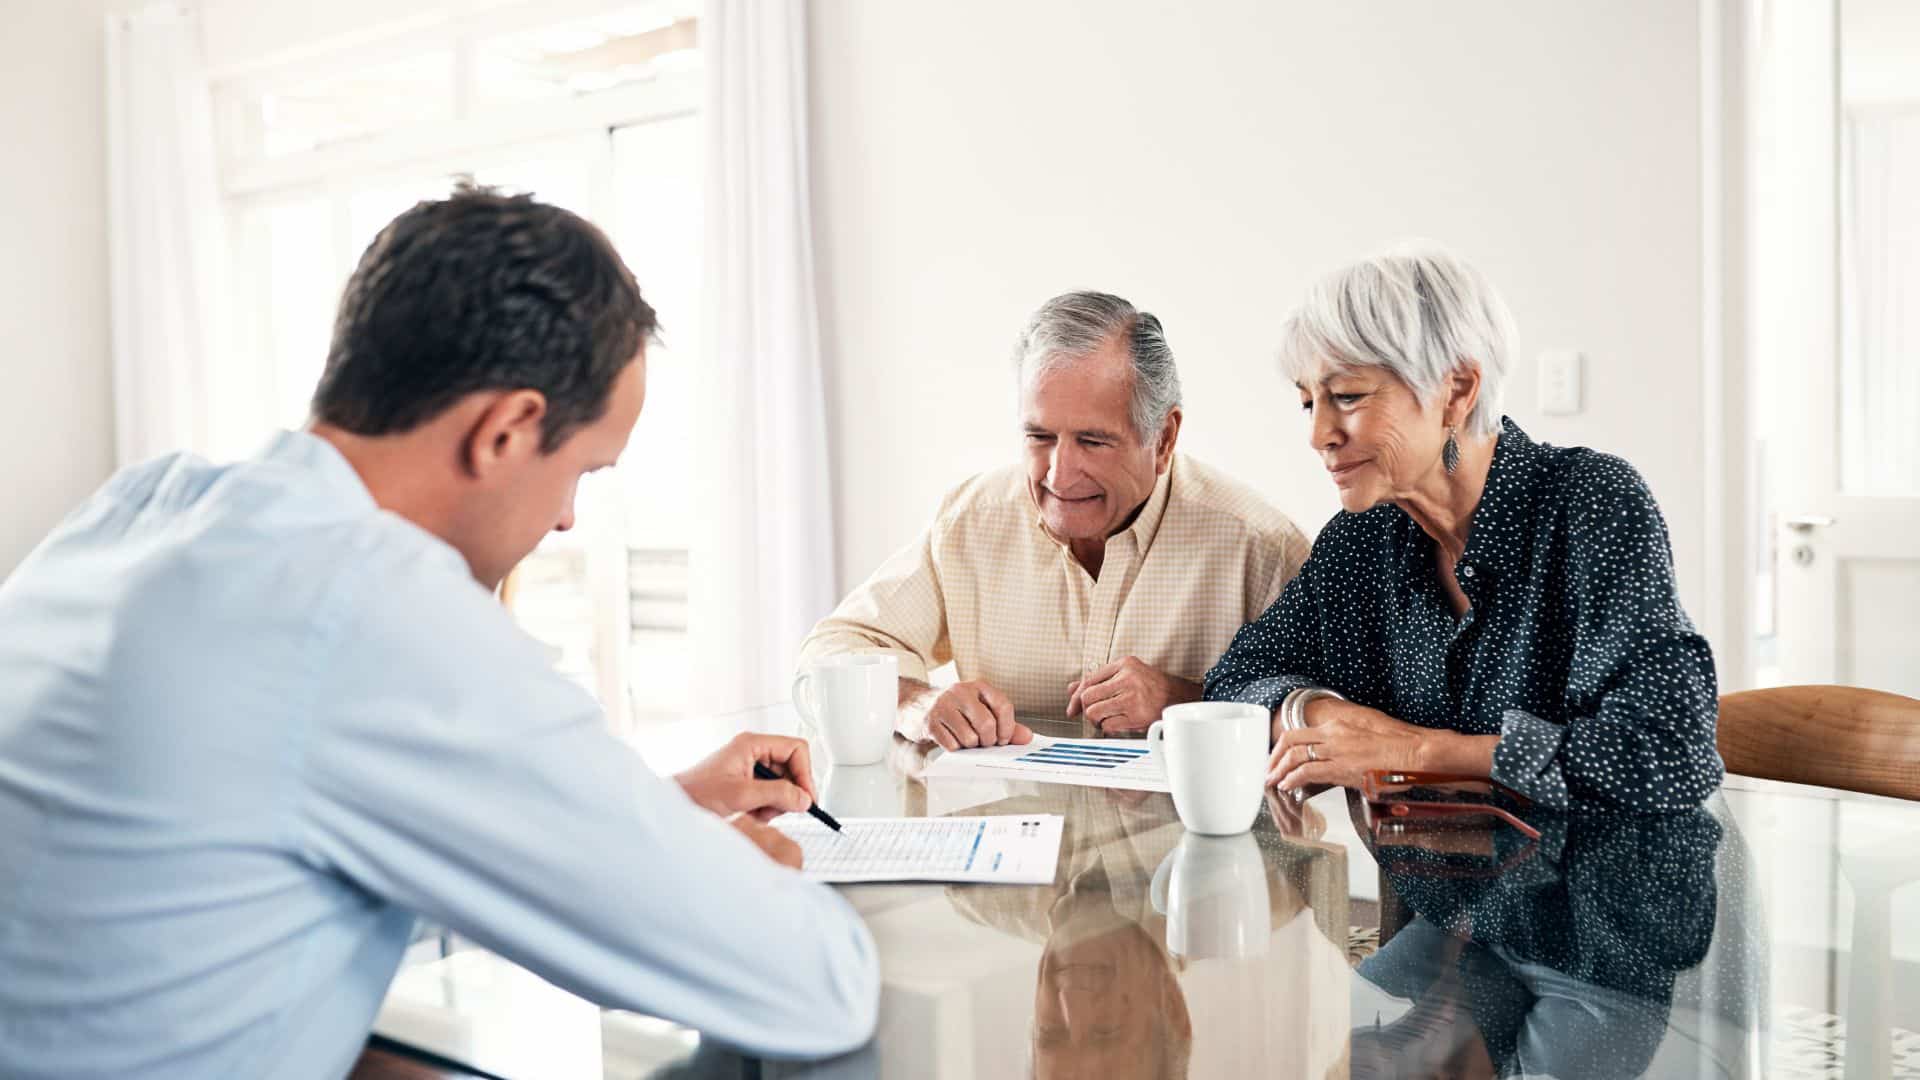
1764,933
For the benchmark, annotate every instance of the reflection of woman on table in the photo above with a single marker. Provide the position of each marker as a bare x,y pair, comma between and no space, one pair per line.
1561,965
1484,605
1108,997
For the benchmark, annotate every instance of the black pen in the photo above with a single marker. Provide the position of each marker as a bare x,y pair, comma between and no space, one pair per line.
762,772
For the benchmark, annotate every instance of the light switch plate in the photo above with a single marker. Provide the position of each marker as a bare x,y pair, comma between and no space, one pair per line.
1560,382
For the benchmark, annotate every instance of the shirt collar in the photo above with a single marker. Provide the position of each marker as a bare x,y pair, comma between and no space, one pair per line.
1146,524
310,453
1509,496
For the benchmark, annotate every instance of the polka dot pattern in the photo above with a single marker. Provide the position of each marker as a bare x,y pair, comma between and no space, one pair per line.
1575,651
1571,957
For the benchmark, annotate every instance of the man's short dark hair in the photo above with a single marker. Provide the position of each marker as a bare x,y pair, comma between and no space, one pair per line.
481,291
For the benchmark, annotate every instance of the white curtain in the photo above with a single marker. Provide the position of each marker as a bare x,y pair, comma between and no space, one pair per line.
762,560
165,236
1880,300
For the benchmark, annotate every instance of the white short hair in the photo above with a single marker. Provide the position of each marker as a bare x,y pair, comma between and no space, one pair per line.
1417,310
1072,325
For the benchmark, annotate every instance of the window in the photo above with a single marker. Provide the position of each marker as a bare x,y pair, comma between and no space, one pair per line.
593,111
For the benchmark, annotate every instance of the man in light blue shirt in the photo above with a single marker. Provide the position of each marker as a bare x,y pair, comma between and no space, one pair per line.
255,719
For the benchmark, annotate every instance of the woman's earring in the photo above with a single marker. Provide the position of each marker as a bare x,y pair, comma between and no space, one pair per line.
1450,453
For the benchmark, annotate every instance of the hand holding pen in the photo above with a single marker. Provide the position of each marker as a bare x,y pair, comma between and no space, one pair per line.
757,774
813,808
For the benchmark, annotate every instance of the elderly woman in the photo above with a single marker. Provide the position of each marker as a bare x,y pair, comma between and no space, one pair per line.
1484,605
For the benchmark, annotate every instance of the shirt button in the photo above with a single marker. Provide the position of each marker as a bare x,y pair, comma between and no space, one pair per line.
1466,569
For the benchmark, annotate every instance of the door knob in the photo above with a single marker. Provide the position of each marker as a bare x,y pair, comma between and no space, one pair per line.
1808,522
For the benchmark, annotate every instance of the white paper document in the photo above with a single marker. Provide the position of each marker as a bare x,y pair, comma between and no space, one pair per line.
1113,763
1015,849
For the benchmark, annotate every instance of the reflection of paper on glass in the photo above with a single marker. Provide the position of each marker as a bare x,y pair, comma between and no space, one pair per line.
1016,849
1112,763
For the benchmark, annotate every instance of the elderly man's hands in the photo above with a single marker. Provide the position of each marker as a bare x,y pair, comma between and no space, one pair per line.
963,716
1126,695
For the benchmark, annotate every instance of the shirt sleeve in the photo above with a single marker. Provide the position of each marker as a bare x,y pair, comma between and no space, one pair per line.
1293,550
901,609
1275,654
450,771
1641,688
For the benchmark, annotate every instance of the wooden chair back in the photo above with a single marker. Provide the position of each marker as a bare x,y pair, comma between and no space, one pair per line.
1833,736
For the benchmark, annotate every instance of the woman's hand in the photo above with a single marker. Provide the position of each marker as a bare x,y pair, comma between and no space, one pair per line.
1342,741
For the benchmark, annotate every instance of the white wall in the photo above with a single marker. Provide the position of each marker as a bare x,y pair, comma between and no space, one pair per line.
1207,161
1879,47
56,443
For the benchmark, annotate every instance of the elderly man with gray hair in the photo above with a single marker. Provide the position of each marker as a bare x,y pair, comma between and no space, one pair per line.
1099,578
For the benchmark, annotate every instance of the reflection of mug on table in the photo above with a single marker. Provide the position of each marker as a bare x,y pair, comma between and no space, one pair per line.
857,791
1213,891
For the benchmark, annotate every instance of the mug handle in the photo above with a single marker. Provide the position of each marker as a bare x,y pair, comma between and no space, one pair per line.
1156,739
1157,889
803,698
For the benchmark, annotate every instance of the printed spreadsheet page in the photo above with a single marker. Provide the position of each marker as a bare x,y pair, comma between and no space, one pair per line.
1015,849
1113,763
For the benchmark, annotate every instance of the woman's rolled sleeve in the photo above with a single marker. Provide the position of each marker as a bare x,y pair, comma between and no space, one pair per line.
1649,747
1641,688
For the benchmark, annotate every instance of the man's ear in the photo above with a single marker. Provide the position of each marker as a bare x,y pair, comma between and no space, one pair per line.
1169,434
506,432
1463,392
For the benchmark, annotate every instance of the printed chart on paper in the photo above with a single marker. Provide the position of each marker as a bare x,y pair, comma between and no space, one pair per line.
1014,849
1113,763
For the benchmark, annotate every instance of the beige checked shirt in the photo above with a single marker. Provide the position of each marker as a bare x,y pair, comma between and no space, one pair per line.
988,588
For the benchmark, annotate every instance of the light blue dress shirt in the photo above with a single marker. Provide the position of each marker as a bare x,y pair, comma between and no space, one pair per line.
251,725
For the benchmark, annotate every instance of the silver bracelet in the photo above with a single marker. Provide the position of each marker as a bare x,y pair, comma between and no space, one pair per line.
1293,708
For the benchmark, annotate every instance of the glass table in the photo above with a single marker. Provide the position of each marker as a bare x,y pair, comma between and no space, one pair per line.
1770,933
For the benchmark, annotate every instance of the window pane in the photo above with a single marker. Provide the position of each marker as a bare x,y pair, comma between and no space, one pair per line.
632,43
1880,300
657,226
303,284
552,605
380,97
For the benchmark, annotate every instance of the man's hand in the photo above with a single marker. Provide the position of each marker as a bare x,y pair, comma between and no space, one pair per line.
1126,695
777,845
724,783
963,716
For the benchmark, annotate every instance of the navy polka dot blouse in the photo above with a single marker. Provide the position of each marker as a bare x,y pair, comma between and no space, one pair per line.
1575,651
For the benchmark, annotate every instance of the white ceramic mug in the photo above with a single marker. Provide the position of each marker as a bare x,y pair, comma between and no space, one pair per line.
851,701
1215,757
1213,891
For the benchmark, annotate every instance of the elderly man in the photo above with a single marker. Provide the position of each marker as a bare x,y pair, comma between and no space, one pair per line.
1100,578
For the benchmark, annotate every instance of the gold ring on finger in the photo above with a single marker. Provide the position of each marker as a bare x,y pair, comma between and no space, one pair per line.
1313,754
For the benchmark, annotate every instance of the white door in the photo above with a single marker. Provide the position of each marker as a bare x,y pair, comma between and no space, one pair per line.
1837,248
